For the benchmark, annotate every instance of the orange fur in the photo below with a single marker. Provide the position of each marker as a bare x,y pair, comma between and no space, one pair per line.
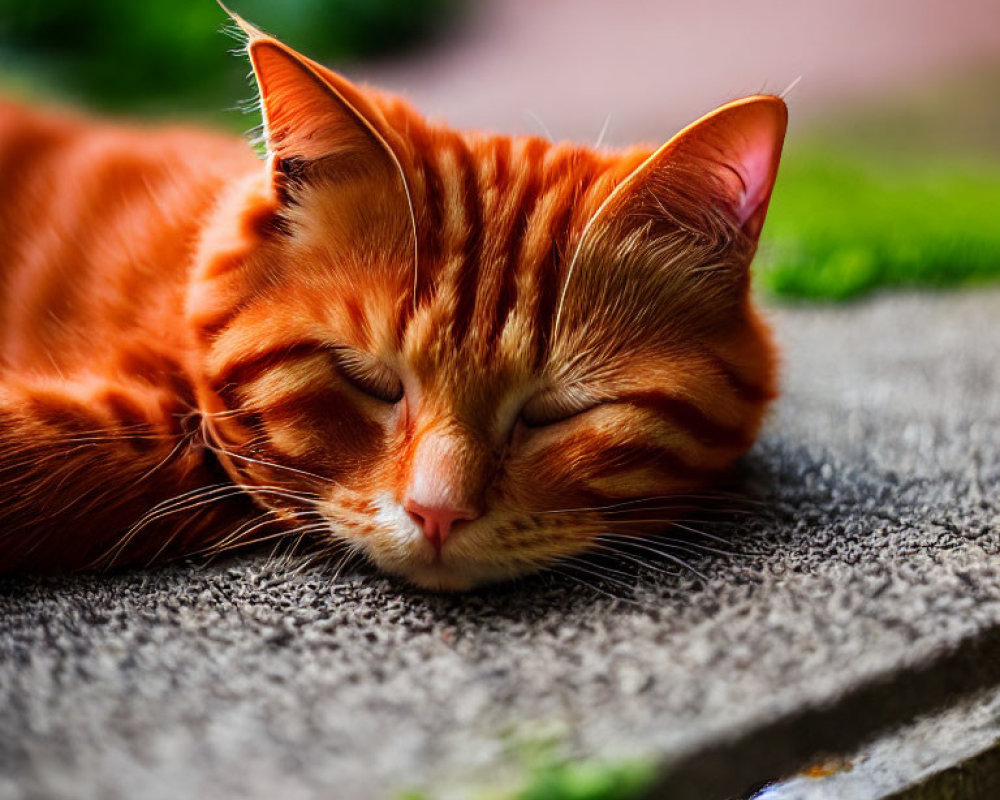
386,322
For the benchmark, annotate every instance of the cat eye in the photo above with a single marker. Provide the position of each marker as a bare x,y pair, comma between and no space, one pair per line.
369,375
552,406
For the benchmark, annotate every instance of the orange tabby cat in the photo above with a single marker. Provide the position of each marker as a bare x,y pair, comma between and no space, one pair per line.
456,353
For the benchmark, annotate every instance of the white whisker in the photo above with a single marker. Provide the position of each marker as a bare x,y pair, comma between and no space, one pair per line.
603,133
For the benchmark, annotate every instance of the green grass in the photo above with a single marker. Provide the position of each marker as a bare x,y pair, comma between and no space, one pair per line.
539,767
586,780
841,226
589,780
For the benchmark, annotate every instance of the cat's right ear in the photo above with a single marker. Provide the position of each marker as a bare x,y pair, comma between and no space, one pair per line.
311,113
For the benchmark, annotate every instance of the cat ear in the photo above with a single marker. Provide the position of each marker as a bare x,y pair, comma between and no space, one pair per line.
727,160
310,112
687,219
305,117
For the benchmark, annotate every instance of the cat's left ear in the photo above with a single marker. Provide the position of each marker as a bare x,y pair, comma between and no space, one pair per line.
726,161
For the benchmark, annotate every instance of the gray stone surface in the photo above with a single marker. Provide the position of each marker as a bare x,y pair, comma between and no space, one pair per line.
864,587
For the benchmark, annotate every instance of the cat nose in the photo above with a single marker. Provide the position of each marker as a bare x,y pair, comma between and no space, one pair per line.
436,521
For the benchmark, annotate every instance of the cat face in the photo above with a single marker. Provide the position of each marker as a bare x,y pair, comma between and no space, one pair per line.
465,355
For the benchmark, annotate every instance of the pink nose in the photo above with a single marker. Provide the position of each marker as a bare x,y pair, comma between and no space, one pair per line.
436,521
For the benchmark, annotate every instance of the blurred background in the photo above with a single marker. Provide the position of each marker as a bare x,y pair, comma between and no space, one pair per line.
892,168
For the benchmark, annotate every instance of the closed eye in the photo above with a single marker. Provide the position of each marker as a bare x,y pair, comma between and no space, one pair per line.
368,374
556,405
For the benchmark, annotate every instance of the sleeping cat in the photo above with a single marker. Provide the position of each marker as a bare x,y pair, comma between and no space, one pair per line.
455,353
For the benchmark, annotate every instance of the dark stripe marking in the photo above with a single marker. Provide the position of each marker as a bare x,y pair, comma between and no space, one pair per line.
688,416
468,276
747,391
247,369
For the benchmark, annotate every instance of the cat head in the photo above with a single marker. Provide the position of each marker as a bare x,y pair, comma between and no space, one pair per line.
455,352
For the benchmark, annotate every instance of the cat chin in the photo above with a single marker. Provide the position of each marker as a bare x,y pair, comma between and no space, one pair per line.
440,580
449,578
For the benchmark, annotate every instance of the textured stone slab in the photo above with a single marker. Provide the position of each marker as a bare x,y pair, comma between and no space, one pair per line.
865,588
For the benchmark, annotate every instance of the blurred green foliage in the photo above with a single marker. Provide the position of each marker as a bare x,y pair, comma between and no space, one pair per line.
588,780
150,54
843,224
568,780
543,770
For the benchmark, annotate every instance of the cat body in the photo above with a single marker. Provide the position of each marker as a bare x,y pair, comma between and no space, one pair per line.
98,228
458,354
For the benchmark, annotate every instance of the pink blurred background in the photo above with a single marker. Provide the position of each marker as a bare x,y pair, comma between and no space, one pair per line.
563,67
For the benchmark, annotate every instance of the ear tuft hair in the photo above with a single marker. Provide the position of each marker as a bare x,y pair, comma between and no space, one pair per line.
241,28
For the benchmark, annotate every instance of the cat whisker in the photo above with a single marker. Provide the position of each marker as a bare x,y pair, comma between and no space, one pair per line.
665,551
196,498
713,513
254,523
561,571
230,413
698,549
306,560
614,552
181,443
583,566
163,547
603,133
238,537
268,464
75,502
35,462
696,531
282,535
682,563
533,116
269,563
303,532
181,502
351,555
679,501
272,563
322,556
788,89
610,512
667,524
626,535
191,500
709,494
283,538
279,492
668,521
603,568
659,544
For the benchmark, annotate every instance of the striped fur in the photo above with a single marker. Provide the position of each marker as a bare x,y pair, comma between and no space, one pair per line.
567,329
